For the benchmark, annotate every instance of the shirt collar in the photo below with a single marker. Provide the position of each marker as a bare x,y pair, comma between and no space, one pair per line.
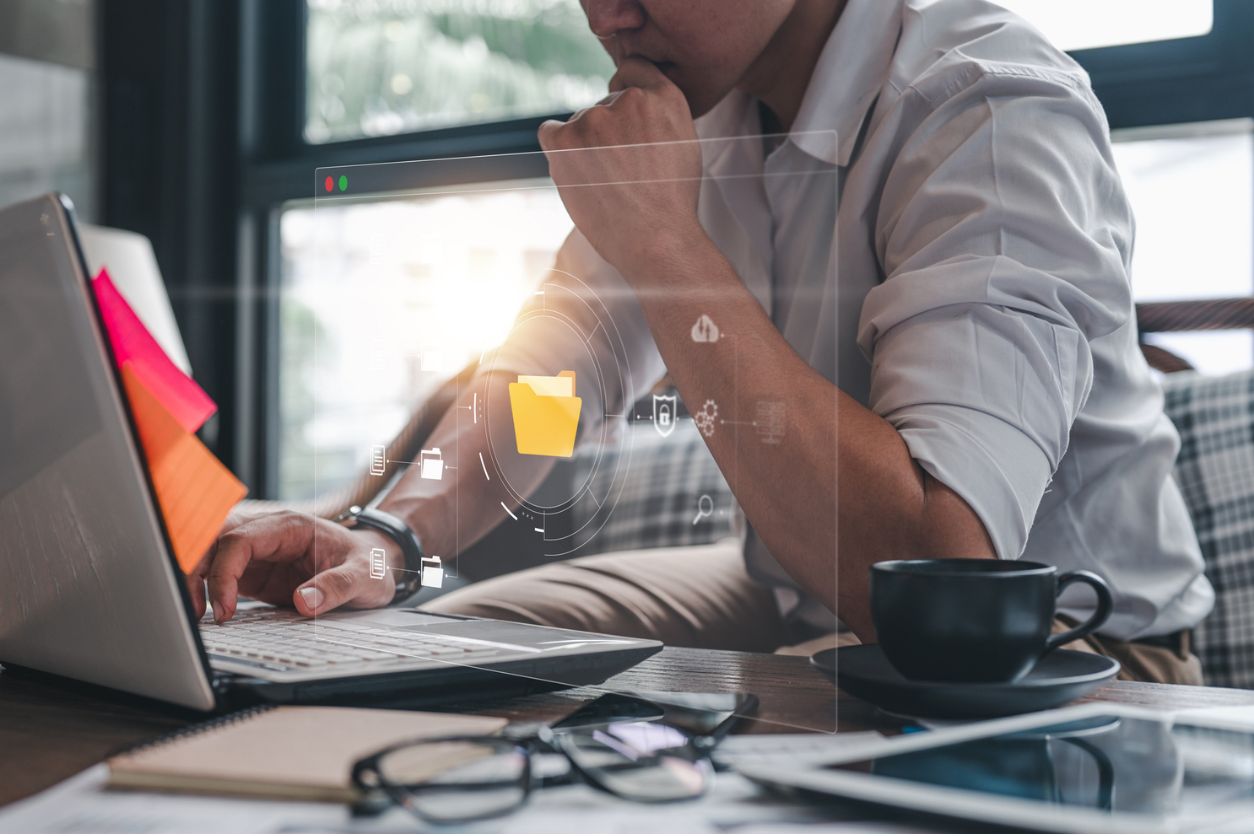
849,74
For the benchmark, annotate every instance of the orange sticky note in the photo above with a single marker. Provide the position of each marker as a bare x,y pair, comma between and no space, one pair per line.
133,343
195,491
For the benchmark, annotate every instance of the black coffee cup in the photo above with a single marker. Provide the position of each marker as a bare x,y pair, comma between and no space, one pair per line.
972,620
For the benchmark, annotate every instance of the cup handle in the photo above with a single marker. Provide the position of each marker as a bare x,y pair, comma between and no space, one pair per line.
1104,605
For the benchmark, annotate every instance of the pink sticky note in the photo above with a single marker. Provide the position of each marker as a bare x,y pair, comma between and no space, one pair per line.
132,343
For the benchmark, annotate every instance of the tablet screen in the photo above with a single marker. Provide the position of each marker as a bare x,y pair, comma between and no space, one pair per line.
1117,764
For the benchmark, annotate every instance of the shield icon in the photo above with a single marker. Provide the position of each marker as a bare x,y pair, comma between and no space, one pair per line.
664,414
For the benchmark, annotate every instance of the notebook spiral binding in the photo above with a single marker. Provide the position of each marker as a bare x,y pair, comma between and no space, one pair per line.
193,730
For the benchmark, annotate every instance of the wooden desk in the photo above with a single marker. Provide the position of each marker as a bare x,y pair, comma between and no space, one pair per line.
50,729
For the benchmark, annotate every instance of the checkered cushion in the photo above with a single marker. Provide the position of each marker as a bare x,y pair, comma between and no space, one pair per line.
658,503
1215,417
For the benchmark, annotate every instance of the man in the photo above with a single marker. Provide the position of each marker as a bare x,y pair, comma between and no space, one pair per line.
989,394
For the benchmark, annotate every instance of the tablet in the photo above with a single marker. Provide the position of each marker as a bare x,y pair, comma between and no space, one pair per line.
1090,768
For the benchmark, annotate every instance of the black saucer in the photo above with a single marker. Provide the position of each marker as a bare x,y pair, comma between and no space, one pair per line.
1059,677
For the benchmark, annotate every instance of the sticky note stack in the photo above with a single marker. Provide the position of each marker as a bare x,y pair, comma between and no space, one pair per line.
195,491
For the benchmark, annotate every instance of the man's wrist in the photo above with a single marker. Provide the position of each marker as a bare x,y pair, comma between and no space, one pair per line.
663,261
418,513
372,539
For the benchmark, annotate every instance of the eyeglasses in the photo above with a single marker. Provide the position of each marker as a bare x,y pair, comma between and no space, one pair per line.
459,779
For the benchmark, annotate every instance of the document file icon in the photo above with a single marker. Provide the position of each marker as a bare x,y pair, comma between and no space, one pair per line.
378,564
546,414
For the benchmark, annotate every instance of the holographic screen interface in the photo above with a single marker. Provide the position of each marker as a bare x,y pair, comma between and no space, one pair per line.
565,432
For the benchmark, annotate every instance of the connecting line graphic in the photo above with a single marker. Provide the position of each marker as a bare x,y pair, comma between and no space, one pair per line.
511,513
484,466
402,461
473,406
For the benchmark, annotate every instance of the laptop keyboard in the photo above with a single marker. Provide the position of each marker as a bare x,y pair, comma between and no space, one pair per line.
283,641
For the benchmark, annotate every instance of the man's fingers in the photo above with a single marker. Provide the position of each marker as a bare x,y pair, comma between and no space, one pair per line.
196,589
275,537
196,577
632,73
637,72
547,133
327,590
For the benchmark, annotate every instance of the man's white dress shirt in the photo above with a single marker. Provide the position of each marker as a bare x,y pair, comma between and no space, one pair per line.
971,285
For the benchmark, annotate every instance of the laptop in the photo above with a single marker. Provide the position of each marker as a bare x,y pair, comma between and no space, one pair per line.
90,589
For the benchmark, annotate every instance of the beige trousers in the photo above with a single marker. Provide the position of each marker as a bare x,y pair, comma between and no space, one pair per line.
702,596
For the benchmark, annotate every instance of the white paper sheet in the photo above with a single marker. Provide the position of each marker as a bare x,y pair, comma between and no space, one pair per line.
794,748
1239,716
734,804
82,805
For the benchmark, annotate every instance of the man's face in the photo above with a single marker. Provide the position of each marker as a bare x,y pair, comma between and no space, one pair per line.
704,46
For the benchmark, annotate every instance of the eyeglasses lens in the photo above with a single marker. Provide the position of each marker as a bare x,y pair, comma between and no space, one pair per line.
457,780
646,762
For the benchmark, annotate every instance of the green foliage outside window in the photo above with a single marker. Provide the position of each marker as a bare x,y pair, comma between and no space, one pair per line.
380,67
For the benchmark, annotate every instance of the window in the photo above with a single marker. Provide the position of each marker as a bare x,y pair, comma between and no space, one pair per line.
381,67
371,81
1087,24
1192,189
423,333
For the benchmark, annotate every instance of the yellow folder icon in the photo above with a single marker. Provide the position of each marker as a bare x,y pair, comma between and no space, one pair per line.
546,414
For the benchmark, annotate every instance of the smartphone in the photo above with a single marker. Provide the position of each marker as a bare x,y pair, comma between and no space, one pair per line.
696,713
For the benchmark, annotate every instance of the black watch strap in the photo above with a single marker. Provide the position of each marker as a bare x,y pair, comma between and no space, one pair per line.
410,578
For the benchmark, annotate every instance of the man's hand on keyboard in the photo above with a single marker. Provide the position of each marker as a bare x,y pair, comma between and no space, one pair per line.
291,559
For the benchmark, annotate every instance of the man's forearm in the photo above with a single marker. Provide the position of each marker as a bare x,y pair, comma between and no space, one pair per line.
453,513
839,490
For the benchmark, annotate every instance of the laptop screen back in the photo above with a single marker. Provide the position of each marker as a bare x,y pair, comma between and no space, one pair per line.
87,589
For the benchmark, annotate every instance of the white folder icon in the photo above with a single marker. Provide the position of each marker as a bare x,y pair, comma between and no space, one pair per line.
432,572
431,464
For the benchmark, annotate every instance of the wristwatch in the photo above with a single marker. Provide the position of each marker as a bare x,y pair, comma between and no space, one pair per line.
408,579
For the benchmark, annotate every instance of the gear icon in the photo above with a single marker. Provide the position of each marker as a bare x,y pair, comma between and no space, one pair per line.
706,418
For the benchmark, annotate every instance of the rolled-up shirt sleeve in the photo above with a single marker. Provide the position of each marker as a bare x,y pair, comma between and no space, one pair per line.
595,328
1004,237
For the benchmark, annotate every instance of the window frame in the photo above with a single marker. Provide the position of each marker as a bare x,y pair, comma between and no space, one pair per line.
1200,79
279,166
231,79
1197,79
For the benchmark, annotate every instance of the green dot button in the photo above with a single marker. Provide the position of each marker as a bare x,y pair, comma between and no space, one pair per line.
343,182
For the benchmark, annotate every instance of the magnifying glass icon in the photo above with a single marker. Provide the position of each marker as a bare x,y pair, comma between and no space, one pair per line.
705,507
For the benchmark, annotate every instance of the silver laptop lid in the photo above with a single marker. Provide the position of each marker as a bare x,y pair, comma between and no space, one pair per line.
88,588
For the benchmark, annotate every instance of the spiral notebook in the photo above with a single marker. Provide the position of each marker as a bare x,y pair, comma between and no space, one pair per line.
286,752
